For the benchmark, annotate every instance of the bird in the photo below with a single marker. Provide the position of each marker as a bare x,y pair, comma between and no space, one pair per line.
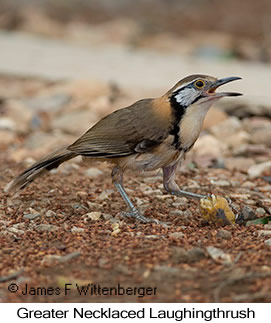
151,134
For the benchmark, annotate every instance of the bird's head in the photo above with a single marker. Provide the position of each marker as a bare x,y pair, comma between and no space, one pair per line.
199,89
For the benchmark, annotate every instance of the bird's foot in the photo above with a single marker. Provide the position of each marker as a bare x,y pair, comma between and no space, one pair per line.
135,214
188,194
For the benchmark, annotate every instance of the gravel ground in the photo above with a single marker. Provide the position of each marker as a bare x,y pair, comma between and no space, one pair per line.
67,228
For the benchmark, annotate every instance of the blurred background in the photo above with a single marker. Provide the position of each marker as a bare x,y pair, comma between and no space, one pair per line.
65,64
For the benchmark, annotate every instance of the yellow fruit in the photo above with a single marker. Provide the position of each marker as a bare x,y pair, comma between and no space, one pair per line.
216,209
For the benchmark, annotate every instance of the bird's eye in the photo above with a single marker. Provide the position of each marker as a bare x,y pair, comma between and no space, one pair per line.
199,84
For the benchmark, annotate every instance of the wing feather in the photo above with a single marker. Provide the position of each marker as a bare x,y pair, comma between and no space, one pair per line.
124,132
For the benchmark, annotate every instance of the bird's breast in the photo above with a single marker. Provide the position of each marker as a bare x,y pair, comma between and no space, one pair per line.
190,126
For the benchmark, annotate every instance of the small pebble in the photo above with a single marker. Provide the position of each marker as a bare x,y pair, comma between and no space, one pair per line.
116,229
153,237
45,227
268,225
50,213
264,232
220,182
176,235
105,194
93,172
77,230
219,255
107,216
15,230
31,216
224,234
95,216
180,255
268,242
260,211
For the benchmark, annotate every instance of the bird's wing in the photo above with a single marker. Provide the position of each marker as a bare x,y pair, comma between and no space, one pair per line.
134,129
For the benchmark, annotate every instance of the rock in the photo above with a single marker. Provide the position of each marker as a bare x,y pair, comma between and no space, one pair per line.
30,216
6,137
183,214
224,234
78,208
248,184
268,225
105,195
116,228
180,255
245,215
220,182
166,271
45,227
192,184
107,217
214,117
226,128
46,141
51,103
153,237
7,124
268,242
238,163
19,115
261,136
86,89
103,261
260,211
74,122
77,230
219,255
176,235
258,106
196,254
93,172
246,150
50,213
177,212
70,256
208,145
95,216
259,169
152,179
15,230
236,140
50,259
180,200
253,124
264,232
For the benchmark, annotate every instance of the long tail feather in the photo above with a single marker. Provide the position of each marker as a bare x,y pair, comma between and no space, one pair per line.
39,168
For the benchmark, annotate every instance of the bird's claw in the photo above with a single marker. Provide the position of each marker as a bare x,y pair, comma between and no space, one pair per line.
141,218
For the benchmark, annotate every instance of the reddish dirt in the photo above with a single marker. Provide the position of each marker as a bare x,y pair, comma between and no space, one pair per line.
139,255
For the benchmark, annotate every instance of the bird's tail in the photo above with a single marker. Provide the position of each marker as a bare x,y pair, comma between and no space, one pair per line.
39,168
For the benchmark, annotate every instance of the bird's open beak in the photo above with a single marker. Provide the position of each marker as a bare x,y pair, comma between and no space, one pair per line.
211,92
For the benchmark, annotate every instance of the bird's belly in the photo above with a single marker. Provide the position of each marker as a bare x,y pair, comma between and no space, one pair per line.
163,155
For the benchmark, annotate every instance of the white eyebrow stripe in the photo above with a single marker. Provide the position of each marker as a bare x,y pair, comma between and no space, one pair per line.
182,86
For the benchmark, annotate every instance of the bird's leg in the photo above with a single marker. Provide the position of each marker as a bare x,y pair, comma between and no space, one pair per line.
171,186
117,178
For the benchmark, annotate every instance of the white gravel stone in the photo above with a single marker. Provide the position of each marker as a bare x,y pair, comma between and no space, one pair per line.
264,232
93,172
258,169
